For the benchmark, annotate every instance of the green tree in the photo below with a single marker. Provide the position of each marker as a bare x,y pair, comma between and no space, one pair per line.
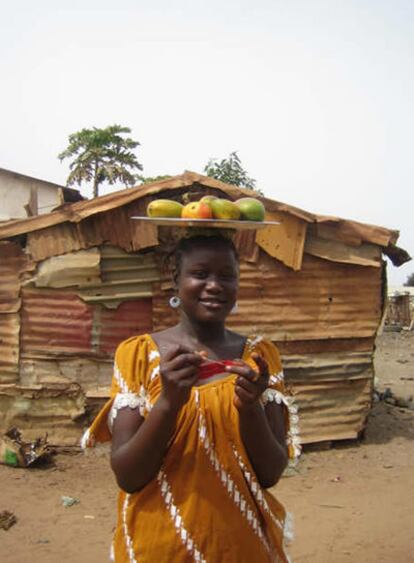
101,155
150,179
410,281
231,171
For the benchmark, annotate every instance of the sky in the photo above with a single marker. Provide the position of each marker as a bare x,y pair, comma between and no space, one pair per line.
317,96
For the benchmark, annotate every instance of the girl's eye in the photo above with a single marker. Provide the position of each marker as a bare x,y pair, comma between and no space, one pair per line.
200,274
227,276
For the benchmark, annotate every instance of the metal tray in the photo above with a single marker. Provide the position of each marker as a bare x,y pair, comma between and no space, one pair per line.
209,223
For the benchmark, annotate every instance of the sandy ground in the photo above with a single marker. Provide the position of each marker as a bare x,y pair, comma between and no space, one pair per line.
353,502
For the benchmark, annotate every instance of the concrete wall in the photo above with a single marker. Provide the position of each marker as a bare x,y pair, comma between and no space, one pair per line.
15,194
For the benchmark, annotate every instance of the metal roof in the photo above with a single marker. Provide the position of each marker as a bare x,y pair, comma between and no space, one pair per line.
77,212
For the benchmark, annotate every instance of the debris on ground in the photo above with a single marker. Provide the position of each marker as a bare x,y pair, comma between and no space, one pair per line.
69,501
7,520
14,451
394,400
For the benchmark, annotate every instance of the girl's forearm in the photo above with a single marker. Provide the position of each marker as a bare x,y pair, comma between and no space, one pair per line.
137,461
267,456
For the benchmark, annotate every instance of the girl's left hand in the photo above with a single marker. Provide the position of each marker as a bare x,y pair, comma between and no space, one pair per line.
250,383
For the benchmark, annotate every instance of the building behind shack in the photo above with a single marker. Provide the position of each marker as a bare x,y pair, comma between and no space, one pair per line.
400,308
77,281
23,196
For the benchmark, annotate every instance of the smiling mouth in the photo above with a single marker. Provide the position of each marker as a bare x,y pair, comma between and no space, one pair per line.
212,303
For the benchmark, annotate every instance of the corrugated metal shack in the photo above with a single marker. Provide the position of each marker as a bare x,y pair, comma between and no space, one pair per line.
75,282
400,309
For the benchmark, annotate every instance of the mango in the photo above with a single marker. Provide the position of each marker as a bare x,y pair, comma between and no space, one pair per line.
164,208
208,199
196,210
225,209
251,209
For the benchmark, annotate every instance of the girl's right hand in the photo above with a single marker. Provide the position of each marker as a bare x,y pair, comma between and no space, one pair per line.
179,372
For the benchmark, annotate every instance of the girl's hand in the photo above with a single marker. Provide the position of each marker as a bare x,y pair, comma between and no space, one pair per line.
250,383
179,372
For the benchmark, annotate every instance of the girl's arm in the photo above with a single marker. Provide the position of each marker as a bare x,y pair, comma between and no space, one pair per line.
138,444
262,429
267,454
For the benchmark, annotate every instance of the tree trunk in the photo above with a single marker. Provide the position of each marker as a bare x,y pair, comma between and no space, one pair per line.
96,181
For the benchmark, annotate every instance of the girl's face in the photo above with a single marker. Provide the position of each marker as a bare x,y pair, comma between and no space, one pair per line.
208,282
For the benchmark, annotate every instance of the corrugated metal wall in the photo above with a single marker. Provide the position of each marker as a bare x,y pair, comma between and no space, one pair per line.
59,324
55,322
70,333
129,319
13,263
323,300
323,318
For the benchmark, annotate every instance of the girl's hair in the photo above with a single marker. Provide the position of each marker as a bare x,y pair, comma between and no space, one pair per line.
189,244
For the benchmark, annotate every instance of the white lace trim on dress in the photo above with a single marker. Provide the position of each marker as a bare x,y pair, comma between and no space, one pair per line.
153,355
288,529
131,400
128,541
122,384
228,483
177,520
276,378
255,488
253,340
292,438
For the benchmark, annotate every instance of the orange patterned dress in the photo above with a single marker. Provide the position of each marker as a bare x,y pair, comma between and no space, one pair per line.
205,504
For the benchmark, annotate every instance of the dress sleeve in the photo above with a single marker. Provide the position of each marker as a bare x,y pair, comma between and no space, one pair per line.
277,392
136,363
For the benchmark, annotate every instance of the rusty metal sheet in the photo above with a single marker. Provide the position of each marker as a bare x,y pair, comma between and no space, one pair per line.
354,232
57,240
119,229
333,411
397,255
334,345
163,316
90,373
55,322
56,410
58,324
13,267
365,254
13,263
143,234
245,243
115,227
323,300
333,392
124,276
129,319
9,347
285,241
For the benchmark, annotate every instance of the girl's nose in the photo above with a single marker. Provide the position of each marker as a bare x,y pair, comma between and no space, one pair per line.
214,284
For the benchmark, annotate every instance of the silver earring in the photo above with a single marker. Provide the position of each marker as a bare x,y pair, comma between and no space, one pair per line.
235,308
175,302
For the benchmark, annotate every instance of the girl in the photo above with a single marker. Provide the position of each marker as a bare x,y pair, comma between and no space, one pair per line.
196,441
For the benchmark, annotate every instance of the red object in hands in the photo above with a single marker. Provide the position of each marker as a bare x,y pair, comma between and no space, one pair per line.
210,368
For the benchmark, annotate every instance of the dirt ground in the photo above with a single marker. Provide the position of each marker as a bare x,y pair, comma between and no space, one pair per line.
352,503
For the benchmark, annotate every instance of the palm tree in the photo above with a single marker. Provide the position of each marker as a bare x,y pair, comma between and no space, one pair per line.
101,155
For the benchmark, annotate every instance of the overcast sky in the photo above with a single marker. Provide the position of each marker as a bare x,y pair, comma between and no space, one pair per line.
317,96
